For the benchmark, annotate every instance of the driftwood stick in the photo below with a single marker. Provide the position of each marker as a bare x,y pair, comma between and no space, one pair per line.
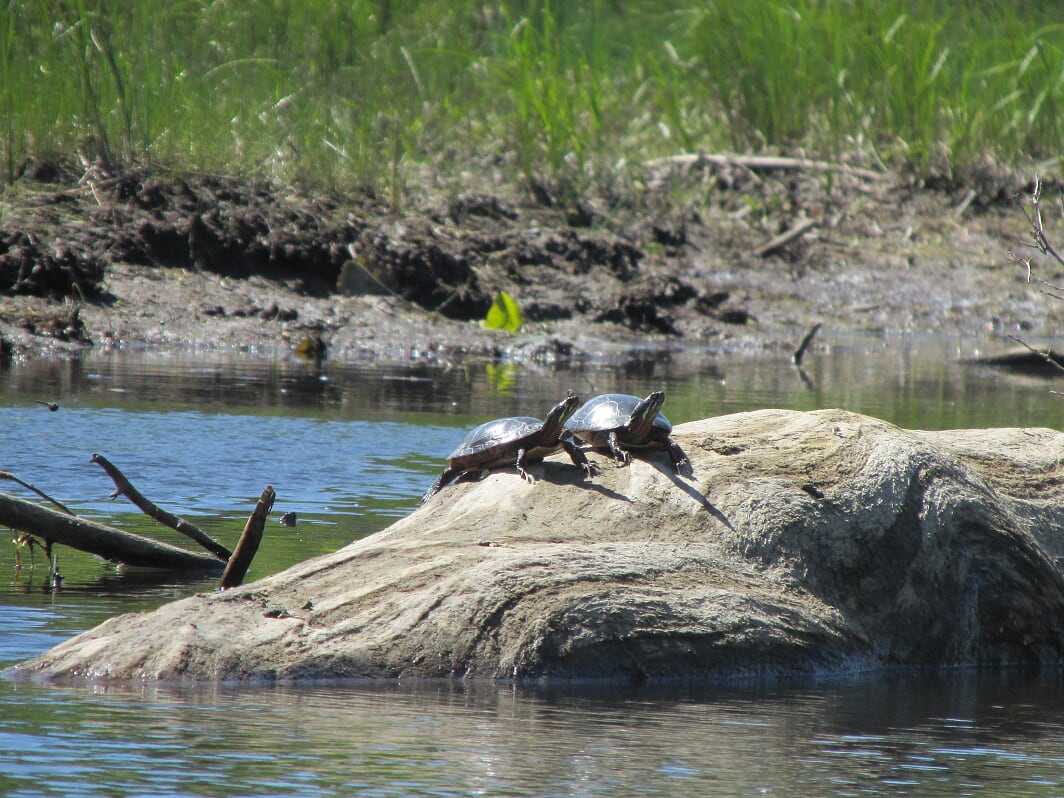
123,486
249,541
99,539
41,493
786,237
763,163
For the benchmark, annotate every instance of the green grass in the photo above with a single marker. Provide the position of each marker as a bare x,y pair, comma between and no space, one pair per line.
389,92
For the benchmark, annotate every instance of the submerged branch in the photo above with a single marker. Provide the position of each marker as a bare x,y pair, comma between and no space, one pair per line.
99,539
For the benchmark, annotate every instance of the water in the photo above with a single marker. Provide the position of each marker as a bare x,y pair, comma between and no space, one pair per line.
350,448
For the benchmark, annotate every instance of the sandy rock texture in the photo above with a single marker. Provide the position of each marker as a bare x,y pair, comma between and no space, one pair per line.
818,542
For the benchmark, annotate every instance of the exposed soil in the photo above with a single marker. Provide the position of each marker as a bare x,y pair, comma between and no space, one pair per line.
677,260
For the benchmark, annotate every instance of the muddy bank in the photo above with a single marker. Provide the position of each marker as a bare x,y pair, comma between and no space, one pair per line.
805,543
682,257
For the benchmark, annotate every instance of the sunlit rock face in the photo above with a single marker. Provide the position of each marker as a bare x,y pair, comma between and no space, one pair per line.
805,543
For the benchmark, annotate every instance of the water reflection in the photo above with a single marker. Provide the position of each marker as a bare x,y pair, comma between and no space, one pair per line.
895,736
350,447
909,381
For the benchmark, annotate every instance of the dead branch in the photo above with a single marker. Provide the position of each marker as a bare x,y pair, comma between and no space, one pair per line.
799,353
762,163
249,541
966,201
1046,355
786,237
124,487
99,539
1033,212
41,493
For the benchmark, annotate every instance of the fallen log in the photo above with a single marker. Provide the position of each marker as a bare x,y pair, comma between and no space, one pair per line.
1036,362
99,539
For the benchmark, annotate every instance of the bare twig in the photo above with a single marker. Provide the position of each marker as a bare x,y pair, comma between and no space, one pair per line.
786,237
41,493
124,487
1033,212
1046,355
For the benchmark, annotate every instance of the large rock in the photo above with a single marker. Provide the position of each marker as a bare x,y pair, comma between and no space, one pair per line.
808,543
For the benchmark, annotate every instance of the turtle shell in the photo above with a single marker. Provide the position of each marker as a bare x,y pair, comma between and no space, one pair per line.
514,441
489,438
610,411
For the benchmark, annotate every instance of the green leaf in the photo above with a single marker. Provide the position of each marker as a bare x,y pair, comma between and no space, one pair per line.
504,314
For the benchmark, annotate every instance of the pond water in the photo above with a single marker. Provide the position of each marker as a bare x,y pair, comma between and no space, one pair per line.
349,448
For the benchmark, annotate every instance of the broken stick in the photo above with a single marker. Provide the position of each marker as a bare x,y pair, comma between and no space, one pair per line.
799,353
249,541
124,487
786,237
41,493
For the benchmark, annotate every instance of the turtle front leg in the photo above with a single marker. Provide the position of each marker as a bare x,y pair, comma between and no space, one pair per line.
621,457
447,475
519,464
578,457
679,458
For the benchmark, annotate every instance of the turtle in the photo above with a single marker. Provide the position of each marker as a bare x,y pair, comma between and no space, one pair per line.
516,441
620,421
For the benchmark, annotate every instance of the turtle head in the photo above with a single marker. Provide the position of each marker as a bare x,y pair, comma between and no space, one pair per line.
642,418
561,412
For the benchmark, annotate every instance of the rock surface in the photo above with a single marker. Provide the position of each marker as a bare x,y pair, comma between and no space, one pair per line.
819,542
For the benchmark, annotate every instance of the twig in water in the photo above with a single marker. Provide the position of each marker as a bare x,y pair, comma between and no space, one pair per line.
799,353
41,493
1045,355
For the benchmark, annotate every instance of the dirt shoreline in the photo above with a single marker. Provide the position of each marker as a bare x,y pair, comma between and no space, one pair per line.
682,260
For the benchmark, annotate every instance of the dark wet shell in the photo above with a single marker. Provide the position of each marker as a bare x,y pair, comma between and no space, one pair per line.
491,436
609,411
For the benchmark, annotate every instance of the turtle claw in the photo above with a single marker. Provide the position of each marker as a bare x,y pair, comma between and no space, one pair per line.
680,461
578,457
621,458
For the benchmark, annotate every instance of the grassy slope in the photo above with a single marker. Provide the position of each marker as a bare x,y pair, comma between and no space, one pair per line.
374,91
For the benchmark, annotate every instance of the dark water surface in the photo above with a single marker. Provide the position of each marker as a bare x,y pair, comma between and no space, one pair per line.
349,448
